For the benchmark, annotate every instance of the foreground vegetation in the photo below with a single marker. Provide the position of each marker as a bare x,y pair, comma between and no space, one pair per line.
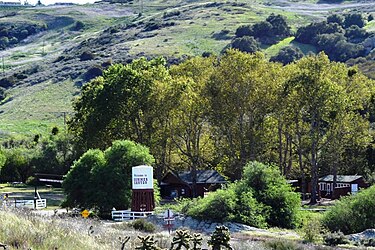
352,214
221,112
262,198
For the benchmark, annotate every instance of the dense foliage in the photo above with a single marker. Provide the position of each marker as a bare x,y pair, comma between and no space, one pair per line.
340,37
273,29
11,34
21,158
223,112
287,55
261,198
352,214
102,180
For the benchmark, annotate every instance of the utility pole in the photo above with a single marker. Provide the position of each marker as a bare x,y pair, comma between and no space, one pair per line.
2,58
141,5
43,48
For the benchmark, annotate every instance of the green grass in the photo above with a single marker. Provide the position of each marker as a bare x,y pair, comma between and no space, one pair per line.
37,108
274,49
54,196
370,26
306,48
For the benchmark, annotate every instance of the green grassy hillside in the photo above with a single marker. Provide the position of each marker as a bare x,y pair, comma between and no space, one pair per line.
45,71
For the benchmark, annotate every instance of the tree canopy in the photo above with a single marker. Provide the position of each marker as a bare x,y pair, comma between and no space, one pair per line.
210,112
102,180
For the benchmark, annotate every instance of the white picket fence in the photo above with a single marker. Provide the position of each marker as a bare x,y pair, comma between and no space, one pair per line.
40,204
122,215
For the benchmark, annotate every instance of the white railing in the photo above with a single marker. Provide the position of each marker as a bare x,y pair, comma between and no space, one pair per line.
121,215
40,204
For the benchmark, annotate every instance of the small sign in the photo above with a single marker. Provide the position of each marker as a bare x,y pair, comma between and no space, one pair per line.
168,215
50,180
85,213
142,177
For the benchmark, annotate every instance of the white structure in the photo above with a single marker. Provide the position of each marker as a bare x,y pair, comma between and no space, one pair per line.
122,215
39,204
142,177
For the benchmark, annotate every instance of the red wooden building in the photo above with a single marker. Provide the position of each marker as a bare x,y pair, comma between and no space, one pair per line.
345,184
175,185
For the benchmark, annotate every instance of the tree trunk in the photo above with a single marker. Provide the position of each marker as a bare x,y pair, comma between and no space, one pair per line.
280,148
314,169
334,170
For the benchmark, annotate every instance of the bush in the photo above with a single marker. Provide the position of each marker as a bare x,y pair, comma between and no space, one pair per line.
102,180
282,245
287,55
171,13
352,214
368,242
86,55
78,25
217,206
262,198
335,238
245,44
143,225
311,231
271,189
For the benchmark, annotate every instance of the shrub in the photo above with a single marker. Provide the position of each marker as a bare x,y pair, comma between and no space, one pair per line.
93,72
262,198
335,238
143,225
287,55
78,25
86,55
354,19
153,25
368,242
245,44
271,189
311,231
217,206
102,180
352,214
171,13
248,209
282,245
220,237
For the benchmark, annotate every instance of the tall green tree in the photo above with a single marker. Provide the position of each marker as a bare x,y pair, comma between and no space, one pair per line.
241,94
128,102
190,130
327,99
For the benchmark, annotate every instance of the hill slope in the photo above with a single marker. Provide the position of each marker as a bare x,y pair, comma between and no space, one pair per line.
44,72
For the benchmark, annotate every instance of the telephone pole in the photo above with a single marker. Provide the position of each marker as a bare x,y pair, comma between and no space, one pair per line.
43,48
2,59
141,5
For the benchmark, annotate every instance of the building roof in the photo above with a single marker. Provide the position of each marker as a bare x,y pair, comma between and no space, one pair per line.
203,176
341,178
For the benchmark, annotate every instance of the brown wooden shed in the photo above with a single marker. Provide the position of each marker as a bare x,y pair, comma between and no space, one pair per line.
345,184
175,185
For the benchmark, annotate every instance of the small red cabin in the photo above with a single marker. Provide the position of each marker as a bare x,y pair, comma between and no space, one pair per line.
345,184
175,185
